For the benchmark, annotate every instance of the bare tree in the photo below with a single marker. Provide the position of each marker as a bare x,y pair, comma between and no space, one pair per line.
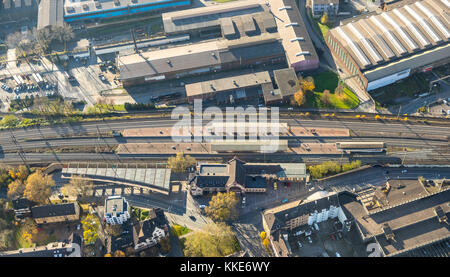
13,40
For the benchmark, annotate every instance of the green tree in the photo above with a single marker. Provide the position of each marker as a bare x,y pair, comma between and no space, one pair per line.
223,207
214,240
180,163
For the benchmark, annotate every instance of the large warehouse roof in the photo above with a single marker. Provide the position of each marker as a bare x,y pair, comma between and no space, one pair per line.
73,8
50,13
296,41
201,55
207,16
403,31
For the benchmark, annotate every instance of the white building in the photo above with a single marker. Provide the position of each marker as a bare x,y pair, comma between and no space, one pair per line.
319,7
116,210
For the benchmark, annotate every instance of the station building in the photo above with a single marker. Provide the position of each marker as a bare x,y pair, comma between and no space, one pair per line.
381,49
241,177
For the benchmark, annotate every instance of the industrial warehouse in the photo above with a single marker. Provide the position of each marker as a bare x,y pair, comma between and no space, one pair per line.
199,58
55,12
384,48
248,38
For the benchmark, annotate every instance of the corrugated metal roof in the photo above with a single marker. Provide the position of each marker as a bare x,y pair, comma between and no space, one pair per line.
50,13
401,32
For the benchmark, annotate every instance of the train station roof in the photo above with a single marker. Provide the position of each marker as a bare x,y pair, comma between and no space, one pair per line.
150,176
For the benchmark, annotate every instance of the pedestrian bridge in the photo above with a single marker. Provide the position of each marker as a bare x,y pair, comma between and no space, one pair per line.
154,177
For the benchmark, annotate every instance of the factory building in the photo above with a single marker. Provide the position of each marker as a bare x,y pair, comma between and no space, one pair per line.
201,58
77,10
250,18
381,49
229,90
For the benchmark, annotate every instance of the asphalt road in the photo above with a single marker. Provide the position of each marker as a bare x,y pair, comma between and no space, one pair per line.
376,176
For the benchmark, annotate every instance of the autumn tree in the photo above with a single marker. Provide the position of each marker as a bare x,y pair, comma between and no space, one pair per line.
119,253
181,163
28,230
326,97
307,84
339,90
7,232
324,18
78,187
38,187
10,121
90,225
262,235
165,245
223,207
299,98
16,189
213,240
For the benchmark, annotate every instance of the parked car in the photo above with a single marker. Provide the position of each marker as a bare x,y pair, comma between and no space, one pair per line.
309,239
285,200
332,237
299,244
339,235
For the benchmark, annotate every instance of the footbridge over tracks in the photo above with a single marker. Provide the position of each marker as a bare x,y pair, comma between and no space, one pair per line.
154,177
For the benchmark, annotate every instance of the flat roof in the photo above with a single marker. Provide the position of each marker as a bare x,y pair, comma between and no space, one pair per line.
84,7
286,80
115,205
227,84
167,60
291,27
207,16
50,13
202,55
400,216
395,34
144,175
